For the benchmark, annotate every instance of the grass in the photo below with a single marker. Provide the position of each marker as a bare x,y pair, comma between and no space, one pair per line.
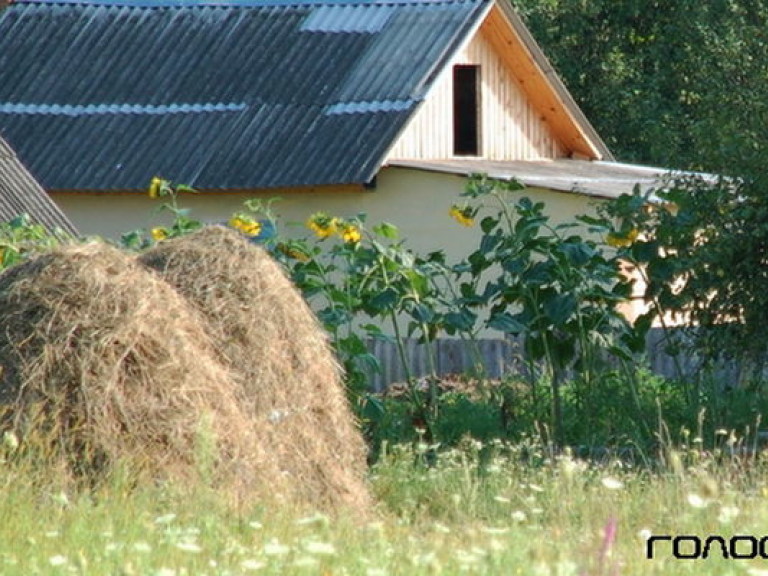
488,508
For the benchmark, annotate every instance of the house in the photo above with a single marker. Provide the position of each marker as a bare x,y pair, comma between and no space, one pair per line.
381,107
21,194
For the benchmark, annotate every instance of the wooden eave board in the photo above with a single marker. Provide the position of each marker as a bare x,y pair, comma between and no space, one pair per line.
509,37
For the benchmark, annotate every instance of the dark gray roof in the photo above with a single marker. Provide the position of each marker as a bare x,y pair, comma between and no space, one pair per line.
233,94
21,194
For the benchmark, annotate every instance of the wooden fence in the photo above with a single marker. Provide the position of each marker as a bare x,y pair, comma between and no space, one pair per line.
504,357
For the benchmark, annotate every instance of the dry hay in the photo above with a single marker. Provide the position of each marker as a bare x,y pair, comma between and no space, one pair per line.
107,364
286,374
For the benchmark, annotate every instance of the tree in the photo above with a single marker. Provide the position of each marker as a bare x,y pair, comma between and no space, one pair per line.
677,84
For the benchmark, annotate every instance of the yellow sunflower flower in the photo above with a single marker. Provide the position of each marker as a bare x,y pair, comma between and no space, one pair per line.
622,240
246,225
155,186
463,215
350,234
293,252
322,225
251,228
159,234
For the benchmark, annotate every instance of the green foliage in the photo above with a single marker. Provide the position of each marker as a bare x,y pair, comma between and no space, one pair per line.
359,280
676,84
701,250
549,284
20,238
181,220
622,409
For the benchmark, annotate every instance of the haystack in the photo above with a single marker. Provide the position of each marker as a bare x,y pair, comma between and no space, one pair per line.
287,376
105,363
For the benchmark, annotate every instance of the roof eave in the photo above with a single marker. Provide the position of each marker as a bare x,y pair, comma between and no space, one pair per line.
597,149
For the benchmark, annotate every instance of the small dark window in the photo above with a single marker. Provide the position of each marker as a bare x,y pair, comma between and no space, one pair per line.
466,110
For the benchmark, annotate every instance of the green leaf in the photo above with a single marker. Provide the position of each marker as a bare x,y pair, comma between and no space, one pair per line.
332,318
387,230
373,409
488,223
560,308
578,253
505,322
463,321
382,302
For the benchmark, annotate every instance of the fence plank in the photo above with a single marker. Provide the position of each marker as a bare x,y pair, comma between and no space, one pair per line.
504,358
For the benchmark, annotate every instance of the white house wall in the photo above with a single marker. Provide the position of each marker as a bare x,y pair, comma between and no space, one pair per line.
511,129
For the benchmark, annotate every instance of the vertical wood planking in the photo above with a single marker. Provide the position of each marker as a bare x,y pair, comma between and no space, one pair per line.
503,358
511,127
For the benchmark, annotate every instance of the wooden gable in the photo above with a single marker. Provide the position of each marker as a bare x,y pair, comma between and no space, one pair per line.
524,111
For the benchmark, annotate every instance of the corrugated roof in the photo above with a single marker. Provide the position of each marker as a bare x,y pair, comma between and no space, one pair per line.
592,178
21,194
219,95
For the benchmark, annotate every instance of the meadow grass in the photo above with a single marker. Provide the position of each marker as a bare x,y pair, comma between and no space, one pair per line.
492,508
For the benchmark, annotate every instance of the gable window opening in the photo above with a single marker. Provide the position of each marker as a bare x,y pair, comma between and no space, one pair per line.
466,110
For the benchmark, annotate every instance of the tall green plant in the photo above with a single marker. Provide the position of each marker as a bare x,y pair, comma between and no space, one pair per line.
549,284
361,280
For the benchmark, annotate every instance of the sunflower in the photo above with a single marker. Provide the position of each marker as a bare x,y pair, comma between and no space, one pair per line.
622,239
463,215
246,225
350,234
159,234
155,187
323,225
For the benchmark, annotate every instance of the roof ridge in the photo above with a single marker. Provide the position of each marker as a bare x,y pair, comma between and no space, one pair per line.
241,3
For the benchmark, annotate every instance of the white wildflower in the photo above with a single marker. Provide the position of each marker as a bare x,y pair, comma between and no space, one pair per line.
320,548
188,546
612,483
252,565
57,560
697,501
319,519
493,530
274,548
142,547
519,516
10,441
727,514
165,519
305,562
61,499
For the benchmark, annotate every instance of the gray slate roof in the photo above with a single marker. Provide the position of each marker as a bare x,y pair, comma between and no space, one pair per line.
230,94
21,194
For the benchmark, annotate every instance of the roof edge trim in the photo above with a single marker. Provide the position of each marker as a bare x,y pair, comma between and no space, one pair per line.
559,88
237,3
